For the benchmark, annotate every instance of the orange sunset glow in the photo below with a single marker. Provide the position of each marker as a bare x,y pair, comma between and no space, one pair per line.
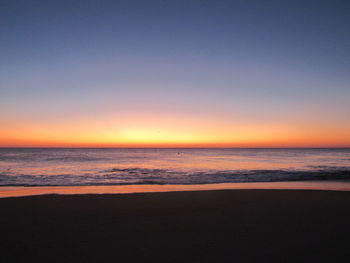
169,131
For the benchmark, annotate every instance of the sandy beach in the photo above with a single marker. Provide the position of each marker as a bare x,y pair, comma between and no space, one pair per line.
201,226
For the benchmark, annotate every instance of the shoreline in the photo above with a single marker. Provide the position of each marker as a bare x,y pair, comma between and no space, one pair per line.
18,191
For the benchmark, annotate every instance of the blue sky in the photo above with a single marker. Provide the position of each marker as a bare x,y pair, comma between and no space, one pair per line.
244,63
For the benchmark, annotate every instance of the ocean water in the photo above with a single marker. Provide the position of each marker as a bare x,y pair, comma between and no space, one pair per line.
80,167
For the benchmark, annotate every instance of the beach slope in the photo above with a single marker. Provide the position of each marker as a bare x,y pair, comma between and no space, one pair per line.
199,226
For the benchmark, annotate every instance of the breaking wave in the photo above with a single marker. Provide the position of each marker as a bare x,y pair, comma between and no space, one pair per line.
124,176
75,167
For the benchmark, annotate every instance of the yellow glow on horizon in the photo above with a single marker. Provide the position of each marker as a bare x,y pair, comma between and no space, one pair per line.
166,131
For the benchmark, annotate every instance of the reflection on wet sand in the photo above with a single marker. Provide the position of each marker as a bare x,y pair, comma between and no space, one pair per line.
125,189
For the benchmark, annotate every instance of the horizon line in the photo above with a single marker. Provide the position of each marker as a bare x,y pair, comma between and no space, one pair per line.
175,147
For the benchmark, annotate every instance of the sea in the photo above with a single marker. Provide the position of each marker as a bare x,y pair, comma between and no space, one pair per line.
161,166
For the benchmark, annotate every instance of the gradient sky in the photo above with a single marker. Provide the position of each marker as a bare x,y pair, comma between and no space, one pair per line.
175,73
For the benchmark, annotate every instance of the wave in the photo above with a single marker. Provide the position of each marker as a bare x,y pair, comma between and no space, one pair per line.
40,158
74,159
135,175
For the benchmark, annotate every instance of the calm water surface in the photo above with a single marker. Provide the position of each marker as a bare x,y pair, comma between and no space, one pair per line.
74,167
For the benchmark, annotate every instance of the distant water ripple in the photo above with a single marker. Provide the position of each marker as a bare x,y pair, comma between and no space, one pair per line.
67,167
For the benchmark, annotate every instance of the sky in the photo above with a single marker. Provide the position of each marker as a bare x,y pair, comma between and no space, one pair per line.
189,73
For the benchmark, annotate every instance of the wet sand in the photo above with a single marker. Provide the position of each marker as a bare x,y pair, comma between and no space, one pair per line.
13,191
199,226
